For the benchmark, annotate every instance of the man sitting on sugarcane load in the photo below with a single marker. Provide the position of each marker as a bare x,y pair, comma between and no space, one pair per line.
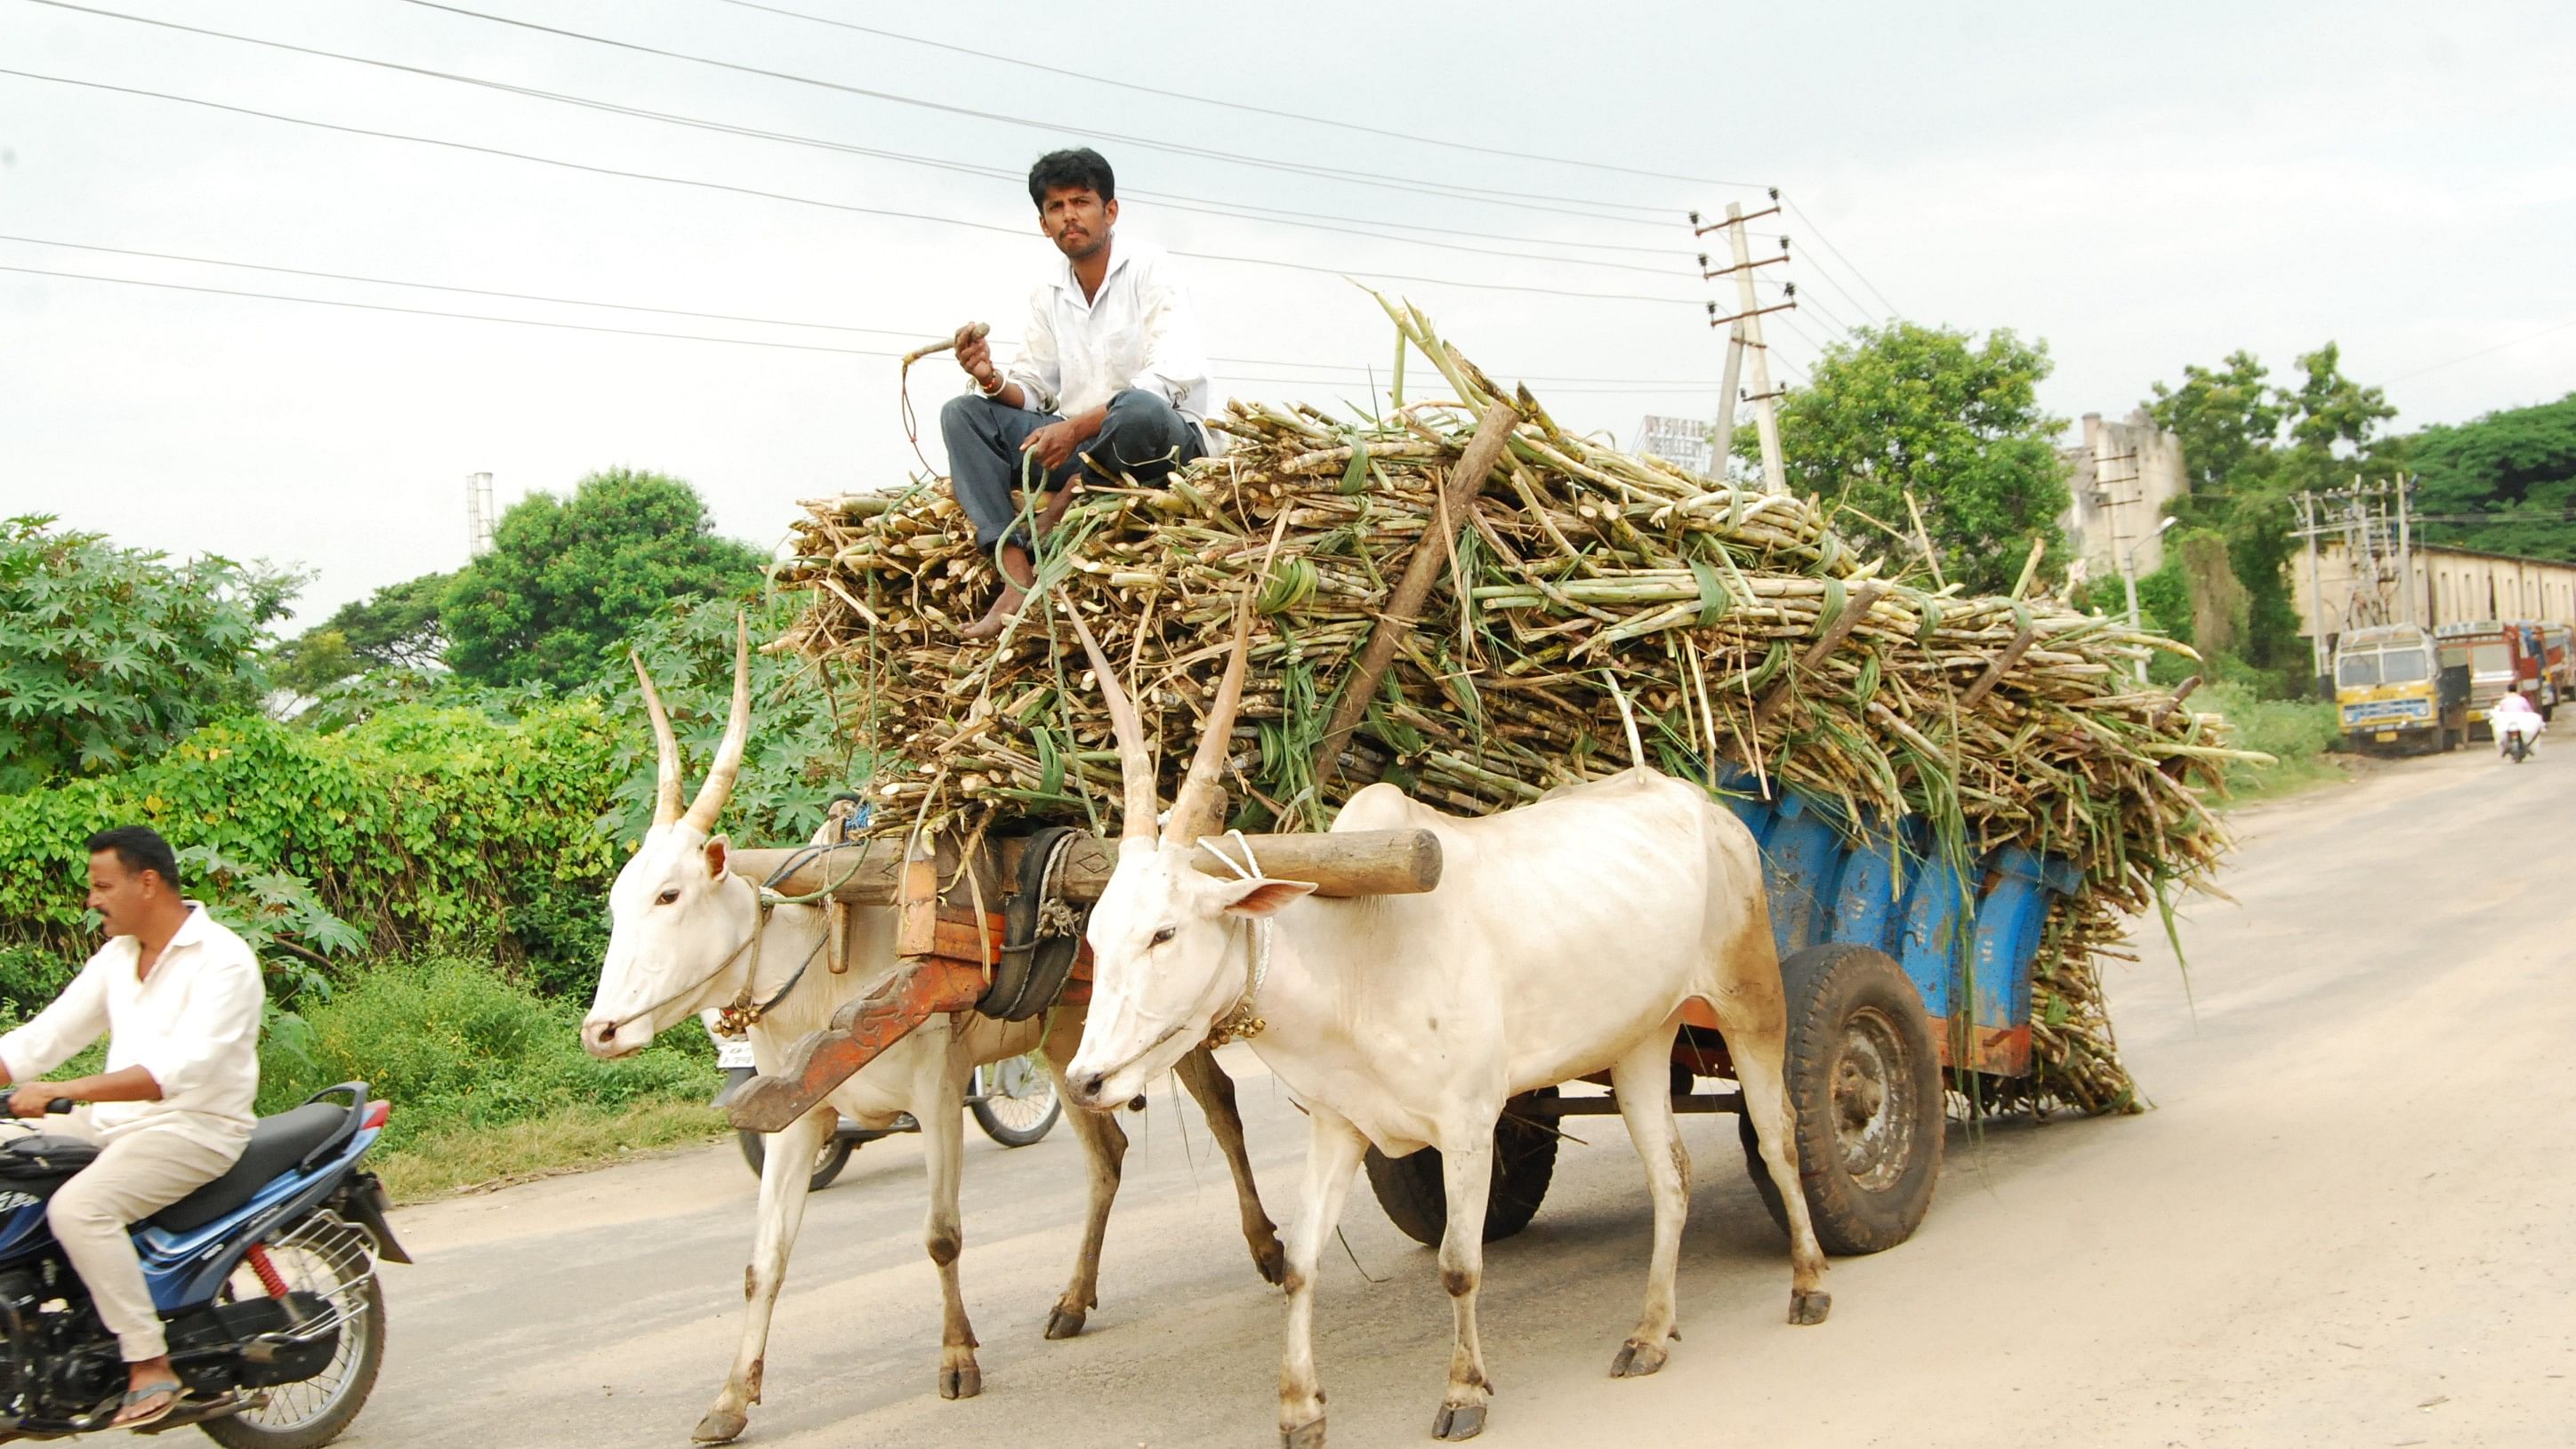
1108,378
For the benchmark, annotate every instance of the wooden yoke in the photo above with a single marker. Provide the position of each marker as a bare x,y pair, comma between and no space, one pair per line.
1404,607
943,969
917,991
1339,864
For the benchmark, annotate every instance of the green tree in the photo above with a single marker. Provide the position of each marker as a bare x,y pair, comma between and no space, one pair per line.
109,654
2514,469
568,577
2249,446
397,627
1956,421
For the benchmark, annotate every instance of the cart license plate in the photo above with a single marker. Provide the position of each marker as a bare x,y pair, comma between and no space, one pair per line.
2384,737
732,1054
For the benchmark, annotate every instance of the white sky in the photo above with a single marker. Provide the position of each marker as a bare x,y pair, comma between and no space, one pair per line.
2141,185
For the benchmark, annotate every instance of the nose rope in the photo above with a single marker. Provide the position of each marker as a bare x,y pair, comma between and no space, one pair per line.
1244,1023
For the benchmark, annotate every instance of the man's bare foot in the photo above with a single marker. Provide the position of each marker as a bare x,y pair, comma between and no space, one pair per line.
995,618
1017,574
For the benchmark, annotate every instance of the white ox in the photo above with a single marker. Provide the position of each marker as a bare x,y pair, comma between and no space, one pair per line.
1563,939
686,936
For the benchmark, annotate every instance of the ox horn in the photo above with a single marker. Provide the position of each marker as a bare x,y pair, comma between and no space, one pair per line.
666,791
728,762
1200,807
1134,765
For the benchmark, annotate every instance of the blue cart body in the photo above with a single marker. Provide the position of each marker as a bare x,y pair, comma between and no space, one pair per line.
1967,942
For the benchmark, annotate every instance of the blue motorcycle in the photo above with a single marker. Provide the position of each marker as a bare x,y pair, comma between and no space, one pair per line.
265,1278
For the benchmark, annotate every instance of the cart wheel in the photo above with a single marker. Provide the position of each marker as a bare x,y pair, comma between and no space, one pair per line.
827,1163
1866,1086
1410,1190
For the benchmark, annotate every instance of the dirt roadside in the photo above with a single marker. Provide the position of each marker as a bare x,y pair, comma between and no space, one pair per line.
2347,1223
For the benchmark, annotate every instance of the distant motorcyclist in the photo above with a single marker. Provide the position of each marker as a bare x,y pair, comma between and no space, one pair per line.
2512,716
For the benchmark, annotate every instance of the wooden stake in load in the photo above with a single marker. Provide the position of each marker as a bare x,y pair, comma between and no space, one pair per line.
1404,608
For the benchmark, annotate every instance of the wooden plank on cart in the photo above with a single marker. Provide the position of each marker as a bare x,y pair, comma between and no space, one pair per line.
915,992
1348,863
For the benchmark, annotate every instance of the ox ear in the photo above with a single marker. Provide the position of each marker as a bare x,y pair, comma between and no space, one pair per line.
717,849
1257,898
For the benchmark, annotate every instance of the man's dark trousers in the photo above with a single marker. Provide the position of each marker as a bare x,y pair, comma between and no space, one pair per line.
1144,438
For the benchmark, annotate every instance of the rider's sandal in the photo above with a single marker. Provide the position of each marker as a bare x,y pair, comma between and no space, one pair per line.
167,1390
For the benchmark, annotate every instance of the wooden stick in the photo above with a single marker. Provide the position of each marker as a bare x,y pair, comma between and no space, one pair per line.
1995,671
1421,572
1862,600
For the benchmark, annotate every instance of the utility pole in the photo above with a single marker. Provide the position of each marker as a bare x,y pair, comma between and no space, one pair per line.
2405,548
1728,401
478,514
1748,316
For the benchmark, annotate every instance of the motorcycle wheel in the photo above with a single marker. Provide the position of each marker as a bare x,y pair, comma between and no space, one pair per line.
312,1412
828,1163
1016,1102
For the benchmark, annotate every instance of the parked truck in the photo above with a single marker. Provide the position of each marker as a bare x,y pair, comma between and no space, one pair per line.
2398,690
2516,655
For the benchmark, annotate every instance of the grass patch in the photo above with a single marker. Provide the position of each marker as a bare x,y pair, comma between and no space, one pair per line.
487,1080
453,1159
2298,734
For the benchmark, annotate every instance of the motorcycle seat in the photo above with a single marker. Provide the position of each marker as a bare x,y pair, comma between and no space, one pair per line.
276,1144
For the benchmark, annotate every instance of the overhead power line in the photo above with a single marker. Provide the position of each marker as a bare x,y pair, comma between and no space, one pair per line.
1819,233
1652,215
1576,381
1243,211
792,198
2483,351
1167,93
434,312
612,331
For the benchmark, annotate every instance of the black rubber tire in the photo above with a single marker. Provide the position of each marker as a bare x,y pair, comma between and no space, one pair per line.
1835,990
235,1434
1415,1199
827,1163
1002,1131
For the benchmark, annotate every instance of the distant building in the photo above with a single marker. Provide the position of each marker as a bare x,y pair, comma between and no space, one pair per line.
2448,586
2123,475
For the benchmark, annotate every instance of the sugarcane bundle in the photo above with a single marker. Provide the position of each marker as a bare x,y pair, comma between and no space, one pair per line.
1759,647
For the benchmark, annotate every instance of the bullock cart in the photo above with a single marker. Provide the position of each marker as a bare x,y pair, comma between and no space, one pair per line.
1907,973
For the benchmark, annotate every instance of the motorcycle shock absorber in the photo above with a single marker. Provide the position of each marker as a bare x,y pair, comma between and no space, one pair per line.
269,1277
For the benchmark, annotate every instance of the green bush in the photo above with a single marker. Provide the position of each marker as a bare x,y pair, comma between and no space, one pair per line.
453,1046
2295,733
423,828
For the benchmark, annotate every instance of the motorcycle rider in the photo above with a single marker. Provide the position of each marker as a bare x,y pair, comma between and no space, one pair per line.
179,998
2513,715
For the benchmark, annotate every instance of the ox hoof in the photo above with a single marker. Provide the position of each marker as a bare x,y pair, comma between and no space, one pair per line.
1308,1435
1810,1307
963,1382
1458,1421
720,1426
1637,1358
1272,1261
1065,1322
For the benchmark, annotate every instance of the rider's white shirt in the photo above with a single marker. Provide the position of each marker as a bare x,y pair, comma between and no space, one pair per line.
193,1022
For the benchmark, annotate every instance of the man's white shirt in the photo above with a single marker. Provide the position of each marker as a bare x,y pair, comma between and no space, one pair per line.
1140,332
192,1022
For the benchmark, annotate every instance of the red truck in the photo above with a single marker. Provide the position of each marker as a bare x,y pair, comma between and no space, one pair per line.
2525,655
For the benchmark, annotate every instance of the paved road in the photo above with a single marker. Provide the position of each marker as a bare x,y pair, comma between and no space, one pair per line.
2348,1223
